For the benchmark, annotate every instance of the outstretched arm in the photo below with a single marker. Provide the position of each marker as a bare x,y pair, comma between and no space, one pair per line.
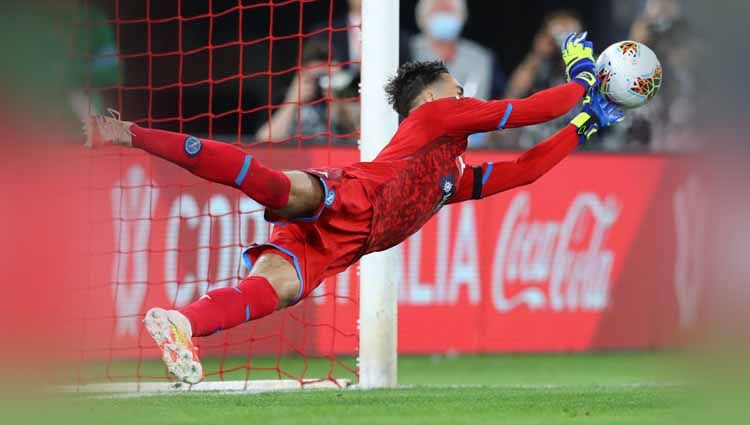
467,116
491,178
543,106
578,57
463,117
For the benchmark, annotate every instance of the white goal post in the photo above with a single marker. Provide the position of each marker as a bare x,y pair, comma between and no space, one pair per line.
378,287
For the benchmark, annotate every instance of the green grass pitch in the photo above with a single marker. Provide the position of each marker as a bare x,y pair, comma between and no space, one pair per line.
606,388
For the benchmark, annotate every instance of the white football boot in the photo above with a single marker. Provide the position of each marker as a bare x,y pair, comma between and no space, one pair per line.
101,129
171,331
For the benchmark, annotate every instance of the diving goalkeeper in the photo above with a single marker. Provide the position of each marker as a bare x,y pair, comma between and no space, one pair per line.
334,216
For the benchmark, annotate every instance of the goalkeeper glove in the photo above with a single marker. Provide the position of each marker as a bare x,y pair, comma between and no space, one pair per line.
597,113
578,57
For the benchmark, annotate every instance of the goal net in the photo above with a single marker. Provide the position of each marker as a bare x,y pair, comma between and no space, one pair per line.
277,78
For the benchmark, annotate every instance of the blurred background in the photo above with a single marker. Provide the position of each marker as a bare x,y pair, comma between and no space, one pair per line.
237,70
649,224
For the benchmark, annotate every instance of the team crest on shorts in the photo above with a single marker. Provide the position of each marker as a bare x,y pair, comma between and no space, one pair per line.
330,198
193,146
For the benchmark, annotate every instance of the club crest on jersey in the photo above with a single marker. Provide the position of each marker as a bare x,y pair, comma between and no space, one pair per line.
193,146
448,188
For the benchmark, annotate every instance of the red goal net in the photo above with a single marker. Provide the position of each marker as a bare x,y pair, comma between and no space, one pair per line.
277,78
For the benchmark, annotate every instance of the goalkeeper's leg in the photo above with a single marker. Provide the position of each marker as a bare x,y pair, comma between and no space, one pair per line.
288,194
272,284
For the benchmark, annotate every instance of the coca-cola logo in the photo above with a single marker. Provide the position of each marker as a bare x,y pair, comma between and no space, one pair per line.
556,265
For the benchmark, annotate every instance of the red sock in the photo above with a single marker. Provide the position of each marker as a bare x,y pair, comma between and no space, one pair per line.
226,308
218,162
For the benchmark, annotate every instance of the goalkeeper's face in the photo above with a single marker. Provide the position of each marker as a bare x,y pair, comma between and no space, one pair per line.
446,86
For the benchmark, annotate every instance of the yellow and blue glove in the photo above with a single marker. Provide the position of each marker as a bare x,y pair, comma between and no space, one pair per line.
597,113
578,57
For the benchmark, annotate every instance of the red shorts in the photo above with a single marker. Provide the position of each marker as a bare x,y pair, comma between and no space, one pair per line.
329,241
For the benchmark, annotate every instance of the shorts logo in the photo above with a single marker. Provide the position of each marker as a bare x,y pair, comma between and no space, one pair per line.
447,187
330,197
193,146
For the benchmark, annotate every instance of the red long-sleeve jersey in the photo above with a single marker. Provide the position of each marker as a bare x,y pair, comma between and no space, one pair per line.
422,169
495,177
372,206
418,172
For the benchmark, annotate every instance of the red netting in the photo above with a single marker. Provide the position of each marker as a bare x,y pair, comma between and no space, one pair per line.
158,236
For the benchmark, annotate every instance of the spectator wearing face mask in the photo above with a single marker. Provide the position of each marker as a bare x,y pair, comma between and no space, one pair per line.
441,23
541,69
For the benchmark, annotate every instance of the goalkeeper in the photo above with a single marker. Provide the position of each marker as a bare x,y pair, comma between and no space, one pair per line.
334,216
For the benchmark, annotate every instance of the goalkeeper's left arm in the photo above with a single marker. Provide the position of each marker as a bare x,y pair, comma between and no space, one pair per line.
491,178
578,58
468,116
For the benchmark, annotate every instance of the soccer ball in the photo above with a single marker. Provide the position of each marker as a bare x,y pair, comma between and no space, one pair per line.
630,74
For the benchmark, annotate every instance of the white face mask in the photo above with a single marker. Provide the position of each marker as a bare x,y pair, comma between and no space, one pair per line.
445,26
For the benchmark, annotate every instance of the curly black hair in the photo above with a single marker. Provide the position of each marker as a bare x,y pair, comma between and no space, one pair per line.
409,82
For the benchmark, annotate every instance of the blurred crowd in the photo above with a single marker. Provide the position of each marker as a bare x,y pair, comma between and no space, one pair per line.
320,103
659,126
